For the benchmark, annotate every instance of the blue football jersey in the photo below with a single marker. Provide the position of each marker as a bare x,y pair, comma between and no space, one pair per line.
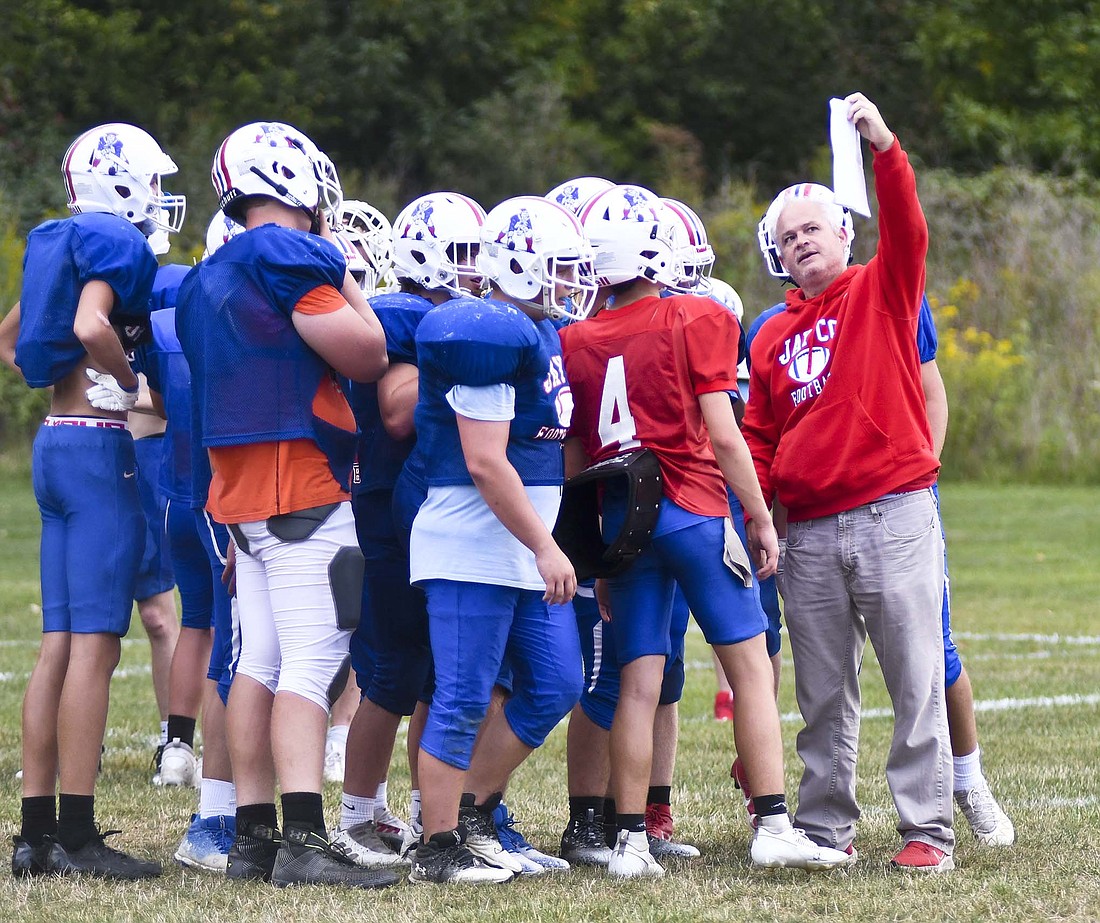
380,457
62,256
254,378
475,342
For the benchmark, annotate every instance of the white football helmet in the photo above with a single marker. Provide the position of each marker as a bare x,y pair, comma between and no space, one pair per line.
118,168
219,231
725,294
693,249
839,217
573,193
633,234
371,234
532,249
358,267
276,160
435,240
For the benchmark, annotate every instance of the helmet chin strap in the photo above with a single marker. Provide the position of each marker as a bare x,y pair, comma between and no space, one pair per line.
314,214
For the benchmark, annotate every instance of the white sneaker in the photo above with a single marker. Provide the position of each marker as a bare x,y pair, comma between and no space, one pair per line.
334,759
395,833
791,848
361,844
631,857
991,826
178,764
481,835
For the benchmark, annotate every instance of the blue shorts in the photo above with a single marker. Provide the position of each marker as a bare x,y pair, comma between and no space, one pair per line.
226,649
191,566
390,650
951,662
769,593
602,675
155,575
473,627
93,530
642,598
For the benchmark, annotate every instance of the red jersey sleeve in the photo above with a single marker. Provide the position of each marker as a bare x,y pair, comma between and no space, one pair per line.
711,339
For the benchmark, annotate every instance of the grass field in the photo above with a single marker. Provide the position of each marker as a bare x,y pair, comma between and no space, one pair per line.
1025,566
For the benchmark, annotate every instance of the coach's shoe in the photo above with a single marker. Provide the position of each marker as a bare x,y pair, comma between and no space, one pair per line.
917,856
583,842
659,828
723,705
791,848
395,833
178,764
307,858
362,845
444,859
534,861
97,860
207,842
991,826
475,823
741,782
252,855
27,861
631,857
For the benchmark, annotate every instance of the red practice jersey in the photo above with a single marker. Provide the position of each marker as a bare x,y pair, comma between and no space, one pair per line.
636,373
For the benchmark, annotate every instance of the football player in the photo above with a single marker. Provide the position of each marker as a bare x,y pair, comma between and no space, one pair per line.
651,372
267,323
86,287
494,407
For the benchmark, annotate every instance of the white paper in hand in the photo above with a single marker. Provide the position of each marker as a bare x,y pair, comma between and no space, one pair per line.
849,181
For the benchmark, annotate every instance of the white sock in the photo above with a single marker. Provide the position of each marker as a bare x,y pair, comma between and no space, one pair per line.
337,734
380,806
217,798
355,809
774,823
163,733
968,771
414,808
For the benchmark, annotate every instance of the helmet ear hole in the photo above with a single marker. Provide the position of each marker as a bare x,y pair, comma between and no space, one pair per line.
123,192
515,267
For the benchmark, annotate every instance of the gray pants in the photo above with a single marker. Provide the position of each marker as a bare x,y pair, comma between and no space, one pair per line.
876,571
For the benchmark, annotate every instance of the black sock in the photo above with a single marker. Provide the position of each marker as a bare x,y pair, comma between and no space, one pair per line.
257,815
659,794
181,728
610,821
75,820
635,823
768,805
305,811
39,818
579,808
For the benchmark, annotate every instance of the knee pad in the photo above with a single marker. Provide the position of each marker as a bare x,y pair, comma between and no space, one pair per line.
533,714
345,577
319,678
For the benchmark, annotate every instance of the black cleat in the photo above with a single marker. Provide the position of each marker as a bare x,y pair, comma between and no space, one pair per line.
27,861
97,860
252,855
307,858
444,859
583,842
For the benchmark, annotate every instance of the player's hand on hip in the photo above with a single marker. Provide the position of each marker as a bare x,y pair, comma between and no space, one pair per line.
107,394
561,579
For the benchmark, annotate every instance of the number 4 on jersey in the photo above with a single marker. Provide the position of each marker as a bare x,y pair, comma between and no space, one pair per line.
616,421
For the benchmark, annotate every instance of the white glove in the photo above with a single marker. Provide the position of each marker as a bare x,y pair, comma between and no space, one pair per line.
108,394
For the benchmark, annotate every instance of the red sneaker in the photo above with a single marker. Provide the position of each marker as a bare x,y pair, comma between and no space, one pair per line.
659,827
723,706
741,780
922,857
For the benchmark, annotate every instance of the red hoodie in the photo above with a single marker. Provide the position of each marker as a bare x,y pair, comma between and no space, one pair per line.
836,415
